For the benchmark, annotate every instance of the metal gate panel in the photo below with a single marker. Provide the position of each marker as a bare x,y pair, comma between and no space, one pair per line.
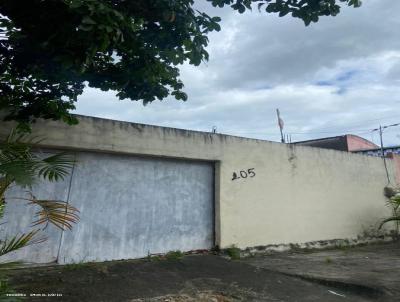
19,216
131,207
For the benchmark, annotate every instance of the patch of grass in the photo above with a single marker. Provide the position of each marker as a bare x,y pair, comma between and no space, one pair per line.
215,249
328,260
171,256
5,289
174,255
75,266
295,247
342,244
233,252
152,258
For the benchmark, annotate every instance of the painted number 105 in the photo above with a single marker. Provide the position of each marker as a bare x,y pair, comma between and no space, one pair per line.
244,174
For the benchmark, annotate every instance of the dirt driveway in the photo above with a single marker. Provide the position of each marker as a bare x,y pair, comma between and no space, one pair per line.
370,273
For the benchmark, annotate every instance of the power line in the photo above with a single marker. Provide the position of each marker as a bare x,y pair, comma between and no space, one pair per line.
308,132
338,130
353,130
385,127
363,122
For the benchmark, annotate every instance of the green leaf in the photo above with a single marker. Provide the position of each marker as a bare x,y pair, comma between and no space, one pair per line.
216,19
81,38
88,20
390,219
284,12
19,241
85,27
55,167
75,4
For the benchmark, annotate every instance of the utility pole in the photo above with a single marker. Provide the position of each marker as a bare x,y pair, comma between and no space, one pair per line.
280,124
383,153
384,158
380,129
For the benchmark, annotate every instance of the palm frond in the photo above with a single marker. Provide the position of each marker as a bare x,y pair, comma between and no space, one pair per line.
20,171
394,202
58,213
19,241
18,144
393,218
2,209
16,160
55,167
22,138
4,185
20,165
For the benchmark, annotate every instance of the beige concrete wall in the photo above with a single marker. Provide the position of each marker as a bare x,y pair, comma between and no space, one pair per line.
396,162
298,194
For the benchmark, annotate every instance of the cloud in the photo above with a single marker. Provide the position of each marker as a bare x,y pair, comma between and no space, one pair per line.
338,76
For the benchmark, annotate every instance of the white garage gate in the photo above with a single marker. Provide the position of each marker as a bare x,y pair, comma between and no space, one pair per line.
129,207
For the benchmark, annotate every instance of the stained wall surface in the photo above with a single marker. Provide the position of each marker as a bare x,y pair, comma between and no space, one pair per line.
265,192
129,206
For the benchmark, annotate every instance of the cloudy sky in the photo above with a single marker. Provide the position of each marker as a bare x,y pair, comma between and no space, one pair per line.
340,75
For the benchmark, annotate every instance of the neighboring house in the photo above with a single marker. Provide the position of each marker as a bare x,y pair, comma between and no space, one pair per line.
347,142
378,151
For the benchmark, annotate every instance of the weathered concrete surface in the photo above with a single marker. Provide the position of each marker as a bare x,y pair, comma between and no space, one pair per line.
129,207
372,268
19,216
285,193
396,162
213,278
